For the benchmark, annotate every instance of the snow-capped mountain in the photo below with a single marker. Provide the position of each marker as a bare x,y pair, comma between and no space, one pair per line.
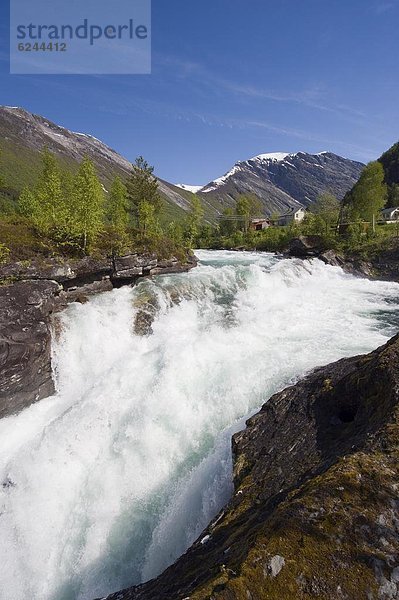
283,180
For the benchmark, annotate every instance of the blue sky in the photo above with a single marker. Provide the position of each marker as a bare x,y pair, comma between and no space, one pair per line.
236,78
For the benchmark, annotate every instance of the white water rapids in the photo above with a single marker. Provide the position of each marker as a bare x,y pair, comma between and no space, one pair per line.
106,483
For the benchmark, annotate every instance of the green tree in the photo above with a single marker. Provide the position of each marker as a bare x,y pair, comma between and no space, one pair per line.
67,186
243,210
87,204
117,206
193,222
142,186
27,204
206,236
176,233
326,208
369,195
248,207
147,218
227,225
117,216
45,205
393,195
50,202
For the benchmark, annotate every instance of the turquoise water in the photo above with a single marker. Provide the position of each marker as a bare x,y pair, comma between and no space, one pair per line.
118,473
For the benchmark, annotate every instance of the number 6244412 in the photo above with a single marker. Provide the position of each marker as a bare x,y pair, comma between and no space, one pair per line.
43,47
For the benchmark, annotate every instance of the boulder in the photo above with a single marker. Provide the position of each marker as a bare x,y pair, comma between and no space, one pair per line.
306,246
330,257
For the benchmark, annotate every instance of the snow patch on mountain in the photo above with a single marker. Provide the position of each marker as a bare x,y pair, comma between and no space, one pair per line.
90,137
269,157
189,188
273,156
213,185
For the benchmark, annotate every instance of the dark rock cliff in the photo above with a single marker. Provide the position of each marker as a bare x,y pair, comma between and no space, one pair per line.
25,365
315,512
31,292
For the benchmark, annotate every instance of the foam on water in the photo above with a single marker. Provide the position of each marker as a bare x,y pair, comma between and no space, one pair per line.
106,483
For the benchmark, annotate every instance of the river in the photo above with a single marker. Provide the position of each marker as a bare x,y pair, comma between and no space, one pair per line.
107,482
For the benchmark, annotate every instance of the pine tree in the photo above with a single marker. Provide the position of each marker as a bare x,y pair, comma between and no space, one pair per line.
142,186
88,205
369,195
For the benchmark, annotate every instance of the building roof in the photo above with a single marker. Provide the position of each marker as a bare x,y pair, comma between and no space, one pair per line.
390,210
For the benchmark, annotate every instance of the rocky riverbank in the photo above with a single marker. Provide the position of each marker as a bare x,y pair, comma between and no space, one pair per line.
31,292
315,511
382,265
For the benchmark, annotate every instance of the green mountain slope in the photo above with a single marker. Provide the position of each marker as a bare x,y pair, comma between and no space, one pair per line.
23,136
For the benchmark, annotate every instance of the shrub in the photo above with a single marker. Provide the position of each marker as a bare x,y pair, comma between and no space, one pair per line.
4,253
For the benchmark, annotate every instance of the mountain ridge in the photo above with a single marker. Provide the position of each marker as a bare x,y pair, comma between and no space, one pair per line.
24,134
284,180
281,180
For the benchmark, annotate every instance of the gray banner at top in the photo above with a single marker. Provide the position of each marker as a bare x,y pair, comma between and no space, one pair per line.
75,37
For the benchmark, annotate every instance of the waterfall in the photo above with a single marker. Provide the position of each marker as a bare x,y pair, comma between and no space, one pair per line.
107,482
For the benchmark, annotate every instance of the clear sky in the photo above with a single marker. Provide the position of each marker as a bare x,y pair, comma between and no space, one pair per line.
236,78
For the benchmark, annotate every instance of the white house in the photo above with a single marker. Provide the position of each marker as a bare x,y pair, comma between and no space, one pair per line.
295,215
390,215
